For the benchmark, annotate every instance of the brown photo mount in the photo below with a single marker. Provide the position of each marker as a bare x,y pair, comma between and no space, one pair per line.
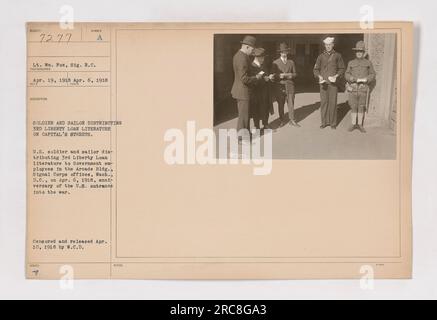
102,203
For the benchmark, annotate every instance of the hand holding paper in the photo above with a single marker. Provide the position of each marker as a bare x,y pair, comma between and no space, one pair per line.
332,79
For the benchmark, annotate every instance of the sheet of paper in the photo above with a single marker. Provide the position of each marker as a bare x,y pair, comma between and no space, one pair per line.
124,180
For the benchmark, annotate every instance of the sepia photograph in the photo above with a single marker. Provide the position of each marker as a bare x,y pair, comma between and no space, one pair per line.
323,96
219,158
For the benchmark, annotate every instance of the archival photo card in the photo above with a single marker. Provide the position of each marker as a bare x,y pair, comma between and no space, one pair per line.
219,150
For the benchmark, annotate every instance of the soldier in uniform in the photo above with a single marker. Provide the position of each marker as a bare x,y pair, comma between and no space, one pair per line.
240,87
328,69
285,73
259,91
360,72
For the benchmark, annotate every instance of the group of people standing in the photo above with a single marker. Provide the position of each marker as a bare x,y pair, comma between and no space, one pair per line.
255,85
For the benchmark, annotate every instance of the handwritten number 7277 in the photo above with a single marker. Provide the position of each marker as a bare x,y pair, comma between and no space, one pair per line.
61,37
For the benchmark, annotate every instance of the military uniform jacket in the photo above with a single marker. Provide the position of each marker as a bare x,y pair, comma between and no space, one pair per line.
242,80
279,67
359,69
329,65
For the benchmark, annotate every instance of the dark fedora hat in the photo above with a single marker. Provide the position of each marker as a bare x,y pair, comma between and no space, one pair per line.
283,47
259,52
249,40
361,46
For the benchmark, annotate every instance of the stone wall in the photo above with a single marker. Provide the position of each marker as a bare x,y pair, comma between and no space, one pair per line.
382,102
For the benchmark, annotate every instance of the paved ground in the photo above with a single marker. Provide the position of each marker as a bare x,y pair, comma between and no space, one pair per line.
311,142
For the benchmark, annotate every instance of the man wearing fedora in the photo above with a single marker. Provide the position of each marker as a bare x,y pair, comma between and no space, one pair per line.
259,91
359,74
242,81
284,90
328,69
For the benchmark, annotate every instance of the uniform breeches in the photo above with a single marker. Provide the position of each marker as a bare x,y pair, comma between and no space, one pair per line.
357,101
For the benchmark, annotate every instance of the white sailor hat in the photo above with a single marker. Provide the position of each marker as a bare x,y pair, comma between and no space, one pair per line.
329,40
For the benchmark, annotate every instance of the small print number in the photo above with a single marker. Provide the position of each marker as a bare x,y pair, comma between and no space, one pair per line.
240,310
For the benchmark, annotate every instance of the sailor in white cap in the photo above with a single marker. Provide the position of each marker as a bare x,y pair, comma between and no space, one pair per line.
329,67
